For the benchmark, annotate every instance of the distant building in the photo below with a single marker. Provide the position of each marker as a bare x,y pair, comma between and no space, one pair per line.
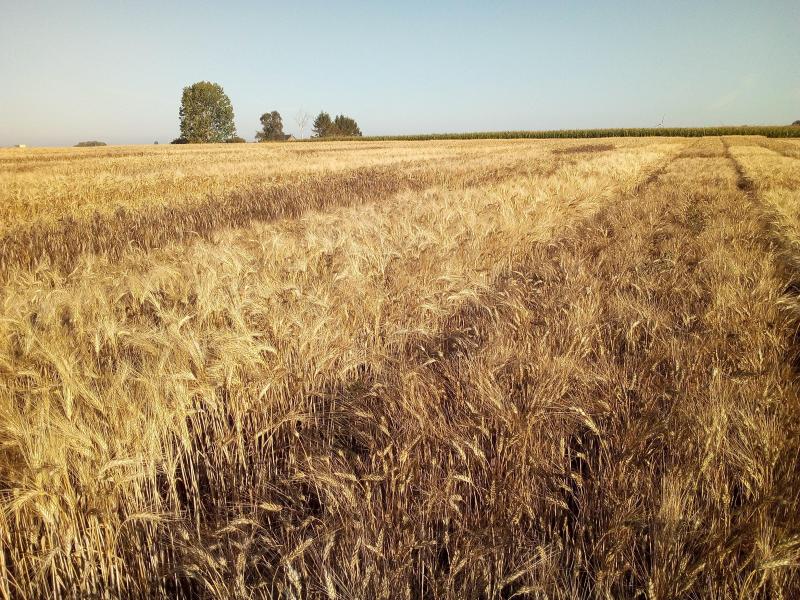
20,146
288,137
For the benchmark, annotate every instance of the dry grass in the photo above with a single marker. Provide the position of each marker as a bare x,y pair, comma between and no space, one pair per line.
572,149
416,370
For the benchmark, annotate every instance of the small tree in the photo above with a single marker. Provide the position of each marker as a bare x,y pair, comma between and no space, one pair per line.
796,123
345,126
302,118
322,125
271,127
206,113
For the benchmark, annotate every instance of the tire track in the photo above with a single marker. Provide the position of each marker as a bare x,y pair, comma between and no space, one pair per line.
786,250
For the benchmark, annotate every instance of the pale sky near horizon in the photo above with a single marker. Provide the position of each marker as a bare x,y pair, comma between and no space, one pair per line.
114,71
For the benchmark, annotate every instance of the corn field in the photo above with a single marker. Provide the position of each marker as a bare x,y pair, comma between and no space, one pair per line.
770,131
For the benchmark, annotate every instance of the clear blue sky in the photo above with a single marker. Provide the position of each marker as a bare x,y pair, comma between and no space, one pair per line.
114,71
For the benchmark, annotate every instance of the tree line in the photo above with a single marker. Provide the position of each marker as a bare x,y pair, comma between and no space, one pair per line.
206,116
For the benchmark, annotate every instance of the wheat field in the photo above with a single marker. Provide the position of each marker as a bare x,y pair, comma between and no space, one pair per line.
485,369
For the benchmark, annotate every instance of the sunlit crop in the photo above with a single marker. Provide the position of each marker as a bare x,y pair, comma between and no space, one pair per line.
446,369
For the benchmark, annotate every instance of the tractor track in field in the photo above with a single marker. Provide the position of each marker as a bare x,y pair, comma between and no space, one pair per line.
743,182
788,261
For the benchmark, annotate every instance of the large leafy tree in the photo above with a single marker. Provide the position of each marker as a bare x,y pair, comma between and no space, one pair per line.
271,127
206,113
322,125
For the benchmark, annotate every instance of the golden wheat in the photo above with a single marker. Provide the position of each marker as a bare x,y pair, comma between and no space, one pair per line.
464,369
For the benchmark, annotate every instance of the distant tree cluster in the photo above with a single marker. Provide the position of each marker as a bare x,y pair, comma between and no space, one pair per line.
206,116
89,144
341,126
271,127
796,123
